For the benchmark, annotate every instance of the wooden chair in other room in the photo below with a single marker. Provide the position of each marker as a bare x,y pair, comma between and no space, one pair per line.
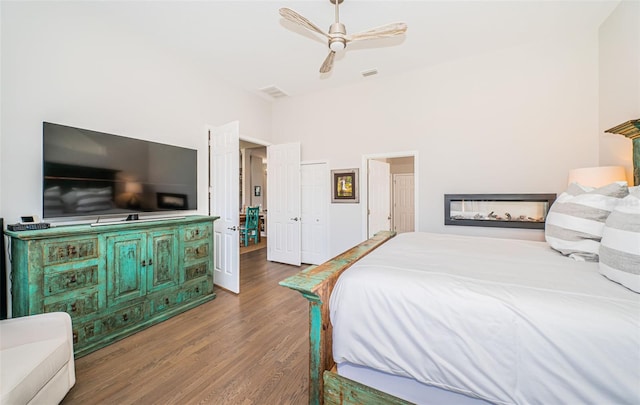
250,229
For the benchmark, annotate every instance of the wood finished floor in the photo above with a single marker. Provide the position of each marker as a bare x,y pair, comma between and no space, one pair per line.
253,246
245,349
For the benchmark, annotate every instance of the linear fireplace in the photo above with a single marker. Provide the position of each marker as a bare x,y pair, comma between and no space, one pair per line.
497,210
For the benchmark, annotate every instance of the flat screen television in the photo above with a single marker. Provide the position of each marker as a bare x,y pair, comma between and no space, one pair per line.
92,174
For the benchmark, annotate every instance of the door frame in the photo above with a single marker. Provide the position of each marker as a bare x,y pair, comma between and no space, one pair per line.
261,143
264,143
364,185
255,140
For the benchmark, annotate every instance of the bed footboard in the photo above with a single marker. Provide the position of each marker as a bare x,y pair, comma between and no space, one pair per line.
339,390
315,283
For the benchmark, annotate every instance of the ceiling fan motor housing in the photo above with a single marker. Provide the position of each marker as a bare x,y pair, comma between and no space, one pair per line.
337,33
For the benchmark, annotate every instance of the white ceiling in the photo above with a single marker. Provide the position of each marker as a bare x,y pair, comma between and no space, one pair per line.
248,44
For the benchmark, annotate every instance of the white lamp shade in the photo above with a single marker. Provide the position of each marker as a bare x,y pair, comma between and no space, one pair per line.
133,187
597,176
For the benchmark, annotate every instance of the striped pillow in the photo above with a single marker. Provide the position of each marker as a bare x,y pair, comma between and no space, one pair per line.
575,220
620,245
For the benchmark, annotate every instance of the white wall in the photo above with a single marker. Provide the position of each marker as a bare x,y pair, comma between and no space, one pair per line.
65,63
619,81
509,121
514,121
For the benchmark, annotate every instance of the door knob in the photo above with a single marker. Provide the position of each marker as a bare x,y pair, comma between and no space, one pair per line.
295,219
233,228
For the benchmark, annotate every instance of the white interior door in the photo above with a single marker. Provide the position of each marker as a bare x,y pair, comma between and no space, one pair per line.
283,200
403,203
379,196
314,183
224,166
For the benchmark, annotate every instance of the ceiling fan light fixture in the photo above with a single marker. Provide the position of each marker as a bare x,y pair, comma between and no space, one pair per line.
337,44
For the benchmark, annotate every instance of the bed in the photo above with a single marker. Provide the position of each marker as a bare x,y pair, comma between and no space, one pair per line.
434,318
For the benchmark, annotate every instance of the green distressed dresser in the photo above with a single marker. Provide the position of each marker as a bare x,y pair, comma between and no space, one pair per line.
115,279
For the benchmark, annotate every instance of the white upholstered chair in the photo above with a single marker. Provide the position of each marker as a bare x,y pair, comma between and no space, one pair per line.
36,359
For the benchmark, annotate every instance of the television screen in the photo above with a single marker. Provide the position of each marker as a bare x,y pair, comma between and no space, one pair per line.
89,173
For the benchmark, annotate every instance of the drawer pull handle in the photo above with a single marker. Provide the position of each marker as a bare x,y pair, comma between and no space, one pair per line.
73,307
73,279
144,263
125,317
198,289
75,337
150,262
166,301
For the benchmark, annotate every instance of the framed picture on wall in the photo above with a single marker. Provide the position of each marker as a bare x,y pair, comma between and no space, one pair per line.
257,190
344,185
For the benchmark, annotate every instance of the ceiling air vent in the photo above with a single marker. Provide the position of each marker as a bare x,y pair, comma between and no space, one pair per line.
370,72
273,91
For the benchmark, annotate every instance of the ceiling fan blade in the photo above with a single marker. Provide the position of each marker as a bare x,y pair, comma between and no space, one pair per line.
385,31
294,17
328,63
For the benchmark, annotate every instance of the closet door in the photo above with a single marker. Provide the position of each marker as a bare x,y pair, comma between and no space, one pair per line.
314,184
283,200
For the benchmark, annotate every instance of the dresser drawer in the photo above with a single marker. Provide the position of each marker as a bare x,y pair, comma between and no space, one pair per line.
99,327
195,252
197,232
188,292
196,271
194,290
57,281
77,306
70,250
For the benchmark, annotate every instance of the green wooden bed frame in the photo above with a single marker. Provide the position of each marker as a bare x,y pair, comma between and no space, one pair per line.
315,283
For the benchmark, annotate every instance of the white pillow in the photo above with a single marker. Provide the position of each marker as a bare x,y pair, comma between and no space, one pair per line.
620,245
576,219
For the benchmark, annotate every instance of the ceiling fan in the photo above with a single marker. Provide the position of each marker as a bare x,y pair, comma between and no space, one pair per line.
337,35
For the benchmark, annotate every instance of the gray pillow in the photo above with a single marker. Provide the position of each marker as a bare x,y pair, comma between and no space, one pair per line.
620,245
576,219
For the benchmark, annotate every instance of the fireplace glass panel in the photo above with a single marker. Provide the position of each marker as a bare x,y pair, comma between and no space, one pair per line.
498,210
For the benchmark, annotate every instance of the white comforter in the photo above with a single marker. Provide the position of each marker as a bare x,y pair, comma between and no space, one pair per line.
509,321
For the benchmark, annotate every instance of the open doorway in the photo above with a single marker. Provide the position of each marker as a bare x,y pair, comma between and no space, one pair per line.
253,190
390,193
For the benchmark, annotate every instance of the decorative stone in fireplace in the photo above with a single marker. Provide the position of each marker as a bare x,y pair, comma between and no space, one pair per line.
498,210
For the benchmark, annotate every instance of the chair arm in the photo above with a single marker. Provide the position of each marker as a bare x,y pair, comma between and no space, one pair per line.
33,328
